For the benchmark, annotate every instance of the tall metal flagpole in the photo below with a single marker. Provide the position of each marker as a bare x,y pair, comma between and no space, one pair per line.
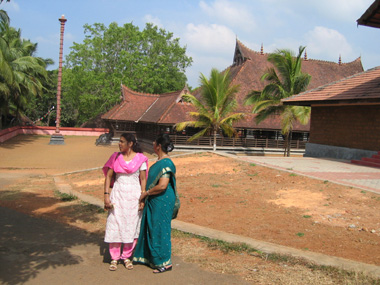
57,138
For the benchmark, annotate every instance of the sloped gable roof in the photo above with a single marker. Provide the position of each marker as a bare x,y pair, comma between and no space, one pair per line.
161,106
145,107
178,112
133,106
361,88
254,64
371,16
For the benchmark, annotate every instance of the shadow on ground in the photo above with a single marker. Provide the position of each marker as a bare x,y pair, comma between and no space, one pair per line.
30,245
15,142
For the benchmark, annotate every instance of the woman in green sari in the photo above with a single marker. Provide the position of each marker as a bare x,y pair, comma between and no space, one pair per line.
161,206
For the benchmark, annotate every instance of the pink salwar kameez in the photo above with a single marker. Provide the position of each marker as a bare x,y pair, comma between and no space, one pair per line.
124,219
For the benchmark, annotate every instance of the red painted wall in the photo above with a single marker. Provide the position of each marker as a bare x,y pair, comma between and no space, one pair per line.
7,134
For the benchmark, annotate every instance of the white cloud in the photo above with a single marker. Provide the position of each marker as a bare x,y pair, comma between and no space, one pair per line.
324,42
210,46
232,13
11,6
345,10
213,38
154,20
337,10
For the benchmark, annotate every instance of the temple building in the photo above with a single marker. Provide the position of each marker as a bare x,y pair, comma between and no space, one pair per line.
150,114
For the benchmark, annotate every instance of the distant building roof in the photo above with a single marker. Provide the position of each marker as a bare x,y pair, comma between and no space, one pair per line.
371,17
247,68
153,108
361,88
255,64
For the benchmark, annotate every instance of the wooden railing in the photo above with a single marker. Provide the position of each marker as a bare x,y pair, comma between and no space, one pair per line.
237,142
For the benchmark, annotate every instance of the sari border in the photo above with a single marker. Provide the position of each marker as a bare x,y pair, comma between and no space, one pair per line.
146,261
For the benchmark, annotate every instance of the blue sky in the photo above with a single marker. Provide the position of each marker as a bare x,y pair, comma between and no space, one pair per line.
209,28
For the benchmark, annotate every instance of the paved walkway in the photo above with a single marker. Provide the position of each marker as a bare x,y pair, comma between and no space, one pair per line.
337,171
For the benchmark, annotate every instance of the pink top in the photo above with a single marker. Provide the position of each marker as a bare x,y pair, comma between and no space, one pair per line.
120,166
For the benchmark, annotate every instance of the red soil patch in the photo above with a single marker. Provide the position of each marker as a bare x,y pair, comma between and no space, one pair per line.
270,205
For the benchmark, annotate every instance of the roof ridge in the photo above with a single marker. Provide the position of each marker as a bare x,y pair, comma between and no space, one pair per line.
240,70
146,111
309,59
170,93
172,104
332,62
136,92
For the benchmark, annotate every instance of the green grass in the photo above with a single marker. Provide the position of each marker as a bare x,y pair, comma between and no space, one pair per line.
65,197
252,164
10,195
90,208
300,234
340,276
306,216
292,174
203,199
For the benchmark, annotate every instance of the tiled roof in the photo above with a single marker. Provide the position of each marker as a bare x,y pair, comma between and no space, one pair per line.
133,106
160,107
322,72
248,75
246,71
371,17
144,107
179,112
361,88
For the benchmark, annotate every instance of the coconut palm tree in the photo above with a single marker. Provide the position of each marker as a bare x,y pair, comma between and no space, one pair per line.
4,18
21,74
285,79
214,108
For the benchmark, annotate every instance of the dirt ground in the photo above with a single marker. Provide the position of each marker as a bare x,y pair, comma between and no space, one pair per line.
271,205
220,193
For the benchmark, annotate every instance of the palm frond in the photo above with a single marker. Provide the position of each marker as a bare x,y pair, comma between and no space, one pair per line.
201,133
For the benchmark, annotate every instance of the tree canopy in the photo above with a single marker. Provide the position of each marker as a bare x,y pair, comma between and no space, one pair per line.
150,61
22,75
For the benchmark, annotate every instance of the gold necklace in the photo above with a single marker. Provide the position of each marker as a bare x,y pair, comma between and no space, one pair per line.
162,157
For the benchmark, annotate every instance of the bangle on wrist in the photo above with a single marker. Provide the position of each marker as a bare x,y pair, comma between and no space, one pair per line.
147,192
106,193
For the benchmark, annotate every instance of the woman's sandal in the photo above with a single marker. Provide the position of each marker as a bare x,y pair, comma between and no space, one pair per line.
128,264
163,269
113,265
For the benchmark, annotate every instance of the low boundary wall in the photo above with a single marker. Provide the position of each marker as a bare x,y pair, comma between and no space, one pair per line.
9,133
337,152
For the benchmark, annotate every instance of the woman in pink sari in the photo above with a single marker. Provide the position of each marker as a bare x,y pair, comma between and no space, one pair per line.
122,203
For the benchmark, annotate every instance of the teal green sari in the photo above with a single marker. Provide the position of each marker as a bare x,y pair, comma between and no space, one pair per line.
154,243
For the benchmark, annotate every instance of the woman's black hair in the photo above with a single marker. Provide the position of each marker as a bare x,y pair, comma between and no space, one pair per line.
165,142
131,138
